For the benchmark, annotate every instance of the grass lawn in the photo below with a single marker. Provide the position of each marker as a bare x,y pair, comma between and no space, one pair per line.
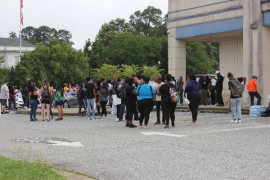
15,170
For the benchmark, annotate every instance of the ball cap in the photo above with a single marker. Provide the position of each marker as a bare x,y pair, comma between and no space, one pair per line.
217,72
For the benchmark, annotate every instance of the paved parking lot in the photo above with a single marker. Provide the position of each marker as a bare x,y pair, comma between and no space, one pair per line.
213,149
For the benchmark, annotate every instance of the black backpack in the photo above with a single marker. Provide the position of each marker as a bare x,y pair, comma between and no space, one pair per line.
123,93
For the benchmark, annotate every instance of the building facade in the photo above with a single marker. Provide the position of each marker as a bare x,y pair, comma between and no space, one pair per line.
241,27
10,51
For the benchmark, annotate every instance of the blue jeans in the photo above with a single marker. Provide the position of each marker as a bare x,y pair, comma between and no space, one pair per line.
91,102
121,113
24,97
236,108
33,105
181,96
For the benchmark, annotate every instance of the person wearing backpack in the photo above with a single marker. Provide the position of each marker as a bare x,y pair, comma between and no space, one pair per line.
123,96
236,88
145,100
167,102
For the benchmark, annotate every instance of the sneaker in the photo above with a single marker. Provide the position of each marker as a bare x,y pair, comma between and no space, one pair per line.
90,118
157,123
232,121
239,121
3,113
166,127
117,120
57,119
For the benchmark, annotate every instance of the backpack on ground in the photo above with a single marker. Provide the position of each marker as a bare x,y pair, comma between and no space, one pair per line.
238,87
174,95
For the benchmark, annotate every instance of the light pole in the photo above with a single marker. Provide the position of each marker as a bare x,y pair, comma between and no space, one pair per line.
158,64
89,50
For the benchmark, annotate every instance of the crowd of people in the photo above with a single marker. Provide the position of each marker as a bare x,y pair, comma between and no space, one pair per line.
137,95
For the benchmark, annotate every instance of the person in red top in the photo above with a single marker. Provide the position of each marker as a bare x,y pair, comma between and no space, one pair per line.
253,91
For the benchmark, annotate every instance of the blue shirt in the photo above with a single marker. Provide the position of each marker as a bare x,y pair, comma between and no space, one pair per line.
145,92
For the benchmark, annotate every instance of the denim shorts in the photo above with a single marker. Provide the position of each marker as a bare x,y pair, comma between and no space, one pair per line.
59,103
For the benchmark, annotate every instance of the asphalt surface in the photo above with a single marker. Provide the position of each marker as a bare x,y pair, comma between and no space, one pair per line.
213,149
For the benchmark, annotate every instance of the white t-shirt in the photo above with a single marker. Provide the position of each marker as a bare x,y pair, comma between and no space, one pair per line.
3,91
213,82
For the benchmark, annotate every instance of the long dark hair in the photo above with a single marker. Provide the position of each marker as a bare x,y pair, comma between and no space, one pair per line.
59,88
105,85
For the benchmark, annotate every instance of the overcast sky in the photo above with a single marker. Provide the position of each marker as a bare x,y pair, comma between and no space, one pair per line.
83,18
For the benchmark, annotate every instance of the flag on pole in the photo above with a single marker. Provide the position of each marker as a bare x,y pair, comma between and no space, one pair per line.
21,12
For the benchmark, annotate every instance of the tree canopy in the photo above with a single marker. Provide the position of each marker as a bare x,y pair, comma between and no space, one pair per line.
43,35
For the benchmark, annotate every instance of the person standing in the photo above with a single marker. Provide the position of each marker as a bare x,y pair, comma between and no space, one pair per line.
98,86
193,94
103,100
80,97
213,91
12,98
130,103
123,99
219,88
59,102
159,83
90,96
179,89
46,95
33,96
4,97
117,100
236,88
205,84
253,91
168,107
145,100
25,93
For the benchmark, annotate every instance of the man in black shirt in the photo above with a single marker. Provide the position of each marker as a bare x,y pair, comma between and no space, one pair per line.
205,84
236,89
219,88
90,95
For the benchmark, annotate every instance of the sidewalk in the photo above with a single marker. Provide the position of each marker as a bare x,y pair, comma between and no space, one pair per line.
202,109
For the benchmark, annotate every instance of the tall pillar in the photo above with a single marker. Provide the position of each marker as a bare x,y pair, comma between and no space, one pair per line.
252,29
264,82
177,55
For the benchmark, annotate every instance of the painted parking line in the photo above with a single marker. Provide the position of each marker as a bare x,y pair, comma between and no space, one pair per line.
162,134
62,143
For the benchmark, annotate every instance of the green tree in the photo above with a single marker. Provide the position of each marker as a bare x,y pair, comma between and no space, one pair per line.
43,35
56,61
4,74
107,70
13,35
147,21
198,59
136,49
128,70
152,72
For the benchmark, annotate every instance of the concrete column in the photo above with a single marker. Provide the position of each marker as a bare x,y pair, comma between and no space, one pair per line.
264,81
252,29
177,55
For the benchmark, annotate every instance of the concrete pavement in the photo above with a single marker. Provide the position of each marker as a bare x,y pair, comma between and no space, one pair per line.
213,149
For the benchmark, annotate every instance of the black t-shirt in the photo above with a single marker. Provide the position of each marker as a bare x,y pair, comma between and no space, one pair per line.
165,91
204,82
131,98
220,80
230,84
89,90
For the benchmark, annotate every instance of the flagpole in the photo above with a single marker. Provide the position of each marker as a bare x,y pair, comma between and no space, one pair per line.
20,30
